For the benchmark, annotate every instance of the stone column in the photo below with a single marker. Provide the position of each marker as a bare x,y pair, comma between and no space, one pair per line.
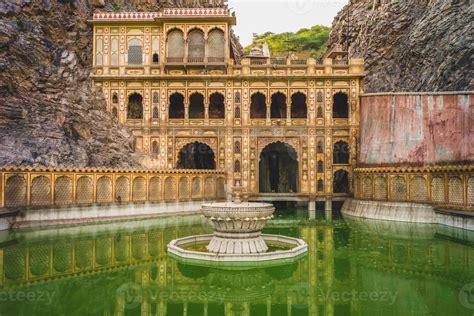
328,209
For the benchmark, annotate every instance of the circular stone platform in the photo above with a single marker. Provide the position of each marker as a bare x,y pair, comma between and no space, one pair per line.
237,236
298,248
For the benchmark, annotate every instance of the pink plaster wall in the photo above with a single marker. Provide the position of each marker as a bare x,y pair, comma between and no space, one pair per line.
416,129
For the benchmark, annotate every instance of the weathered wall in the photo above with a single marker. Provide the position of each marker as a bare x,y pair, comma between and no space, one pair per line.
417,129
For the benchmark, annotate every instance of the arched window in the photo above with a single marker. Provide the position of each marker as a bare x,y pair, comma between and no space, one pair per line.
115,112
155,47
278,106
341,153
196,106
155,112
319,147
237,112
196,46
320,166
196,156
298,105
114,98
340,107
237,97
341,182
176,109
237,147
155,97
175,46
135,107
114,47
216,44
99,51
216,106
154,147
135,54
237,166
258,106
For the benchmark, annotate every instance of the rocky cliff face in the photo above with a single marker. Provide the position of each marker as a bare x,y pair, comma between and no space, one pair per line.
408,45
50,113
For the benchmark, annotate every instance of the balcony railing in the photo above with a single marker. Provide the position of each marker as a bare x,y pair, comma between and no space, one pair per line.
175,59
215,59
299,61
195,60
258,61
340,62
278,61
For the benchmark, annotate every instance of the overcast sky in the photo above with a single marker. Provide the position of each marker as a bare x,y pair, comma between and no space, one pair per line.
260,16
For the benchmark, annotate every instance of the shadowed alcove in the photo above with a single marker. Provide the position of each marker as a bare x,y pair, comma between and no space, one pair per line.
216,106
278,106
341,182
341,106
196,106
196,156
135,107
258,106
278,169
176,109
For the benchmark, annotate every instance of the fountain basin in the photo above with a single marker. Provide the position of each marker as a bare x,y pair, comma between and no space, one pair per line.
237,236
237,226
297,248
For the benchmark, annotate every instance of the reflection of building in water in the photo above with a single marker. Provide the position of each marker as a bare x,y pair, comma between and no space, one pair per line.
128,271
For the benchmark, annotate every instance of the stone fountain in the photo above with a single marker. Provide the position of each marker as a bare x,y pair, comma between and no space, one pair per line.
237,235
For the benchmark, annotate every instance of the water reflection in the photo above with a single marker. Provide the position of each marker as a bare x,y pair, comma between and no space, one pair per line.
354,267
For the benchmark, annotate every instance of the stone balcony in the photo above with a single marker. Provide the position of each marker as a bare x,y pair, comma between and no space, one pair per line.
258,67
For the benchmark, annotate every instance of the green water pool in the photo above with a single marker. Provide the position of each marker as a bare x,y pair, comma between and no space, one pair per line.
353,267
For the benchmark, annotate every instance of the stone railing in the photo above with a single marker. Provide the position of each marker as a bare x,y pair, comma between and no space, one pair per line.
42,187
443,186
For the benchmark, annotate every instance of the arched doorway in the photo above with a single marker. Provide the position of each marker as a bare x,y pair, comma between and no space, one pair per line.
196,156
278,169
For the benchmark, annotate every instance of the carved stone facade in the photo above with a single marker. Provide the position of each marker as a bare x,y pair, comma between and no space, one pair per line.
187,56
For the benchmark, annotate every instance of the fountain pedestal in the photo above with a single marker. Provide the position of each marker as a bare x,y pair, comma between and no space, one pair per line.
237,227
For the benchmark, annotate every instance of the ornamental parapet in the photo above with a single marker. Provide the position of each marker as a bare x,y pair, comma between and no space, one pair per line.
22,187
165,13
450,186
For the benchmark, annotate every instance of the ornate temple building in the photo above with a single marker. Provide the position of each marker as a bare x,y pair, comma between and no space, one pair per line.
280,127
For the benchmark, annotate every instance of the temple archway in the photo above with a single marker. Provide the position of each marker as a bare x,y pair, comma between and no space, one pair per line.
196,155
278,169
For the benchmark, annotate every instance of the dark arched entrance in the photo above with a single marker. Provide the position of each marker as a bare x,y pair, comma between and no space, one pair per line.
196,156
278,169
341,182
